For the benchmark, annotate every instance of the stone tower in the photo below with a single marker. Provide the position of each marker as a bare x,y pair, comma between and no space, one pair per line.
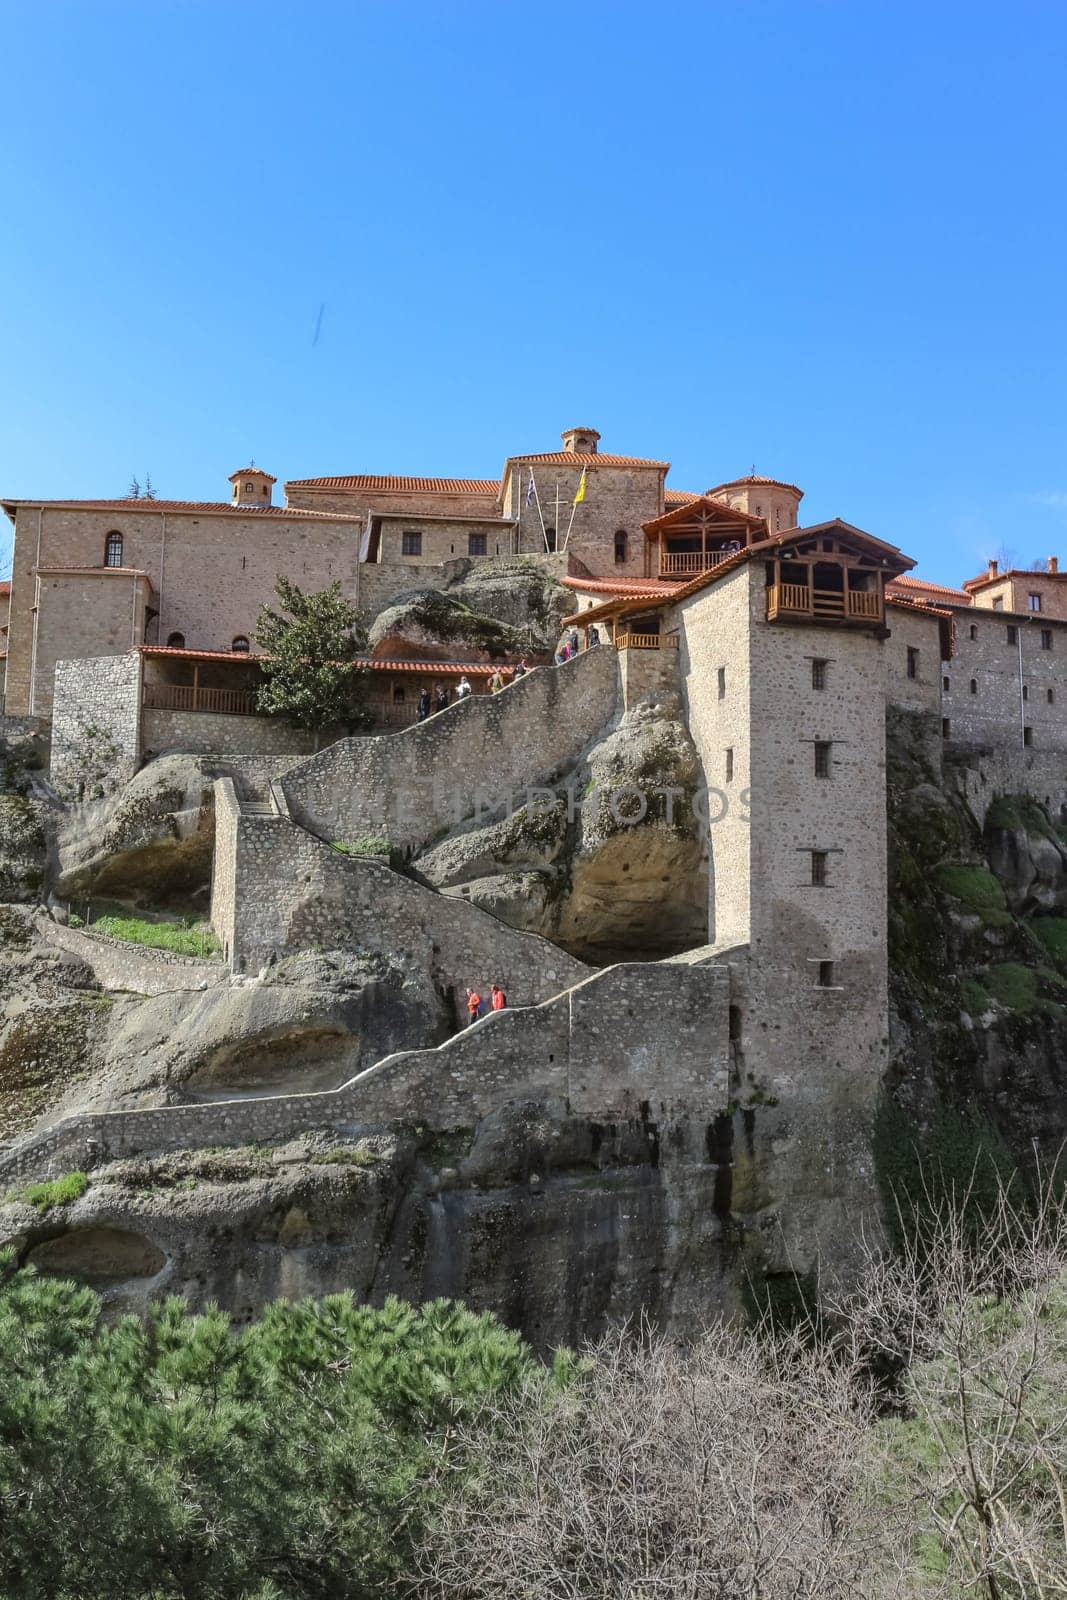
251,486
580,441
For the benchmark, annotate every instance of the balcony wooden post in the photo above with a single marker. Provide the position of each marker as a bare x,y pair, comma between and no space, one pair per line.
196,686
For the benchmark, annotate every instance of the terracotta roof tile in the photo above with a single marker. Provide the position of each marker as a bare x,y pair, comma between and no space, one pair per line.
391,482
5,586
984,578
740,483
482,668
678,497
574,458
917,584
632,588
212,506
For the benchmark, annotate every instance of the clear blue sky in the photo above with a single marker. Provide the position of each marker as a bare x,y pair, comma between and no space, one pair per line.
827,239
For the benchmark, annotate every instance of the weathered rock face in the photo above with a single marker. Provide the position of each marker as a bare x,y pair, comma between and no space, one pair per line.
617,869
24,813
559,1226
978,953
483,614
149,844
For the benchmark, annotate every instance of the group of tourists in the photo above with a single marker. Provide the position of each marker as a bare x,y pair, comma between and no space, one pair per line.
429,705
476,1006
569,644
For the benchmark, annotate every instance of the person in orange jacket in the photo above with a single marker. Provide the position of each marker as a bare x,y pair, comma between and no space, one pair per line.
500,999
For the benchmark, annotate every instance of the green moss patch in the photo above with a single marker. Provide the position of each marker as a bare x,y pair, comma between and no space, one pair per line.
370,845
1013,985
978,888
1051,934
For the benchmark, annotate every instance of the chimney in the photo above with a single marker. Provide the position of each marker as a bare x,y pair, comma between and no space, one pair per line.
1053,564
992,569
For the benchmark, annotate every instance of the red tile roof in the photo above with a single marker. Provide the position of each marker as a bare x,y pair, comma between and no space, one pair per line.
482,668
945,620
240,473
678,497
918,586
390,482
633,588
5,586
1012,572
212,506
754,478
575,458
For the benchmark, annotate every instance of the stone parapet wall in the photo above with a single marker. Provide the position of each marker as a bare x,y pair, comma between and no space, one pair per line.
122,967
648,674
985,773
409,786
96,721
207,733
278,890
642,1041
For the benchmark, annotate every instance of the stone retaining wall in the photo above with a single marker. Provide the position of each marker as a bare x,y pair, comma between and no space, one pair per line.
119,966
641,1041
277,890
409,786
96,722
206,733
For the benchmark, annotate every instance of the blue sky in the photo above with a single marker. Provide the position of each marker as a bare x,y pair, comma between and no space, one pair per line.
825,239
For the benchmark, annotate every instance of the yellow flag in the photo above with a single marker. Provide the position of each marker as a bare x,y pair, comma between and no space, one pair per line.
580,496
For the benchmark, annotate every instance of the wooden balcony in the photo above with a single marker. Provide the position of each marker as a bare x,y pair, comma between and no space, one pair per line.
823,605
193,697
646,641
689,563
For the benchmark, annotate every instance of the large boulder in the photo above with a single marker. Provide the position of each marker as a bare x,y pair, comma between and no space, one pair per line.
613,865
487,610
148,844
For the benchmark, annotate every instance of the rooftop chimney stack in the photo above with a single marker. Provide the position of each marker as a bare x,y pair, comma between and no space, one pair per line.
992,569
251,487
1054,563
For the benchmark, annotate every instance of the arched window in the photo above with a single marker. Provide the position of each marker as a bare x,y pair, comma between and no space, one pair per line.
240,645
620,546
176,641
250,488
113,550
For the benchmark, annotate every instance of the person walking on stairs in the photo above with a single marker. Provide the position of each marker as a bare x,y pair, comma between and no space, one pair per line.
422,710
463,688
499,998
474,1006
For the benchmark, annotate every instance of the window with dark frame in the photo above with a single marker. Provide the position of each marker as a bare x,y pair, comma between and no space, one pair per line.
974,685
1028,736
826,975
730,765
722,683
974,631
1050,695
176,641
818,869
1046,638
1026,691
1013,633
621,545
476,544
946,728
944,685
1033,602
822,758
411,543
818,673
913,661
113,550
240,645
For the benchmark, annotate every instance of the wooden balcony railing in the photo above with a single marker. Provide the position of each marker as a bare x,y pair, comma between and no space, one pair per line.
646,641
687,563
189,697
796,599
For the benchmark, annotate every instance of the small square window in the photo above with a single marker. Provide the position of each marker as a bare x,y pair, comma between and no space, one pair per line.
1046,638
818,674
722,683
476,544
1013,633
826,975
818,869
822,758
1033,602
913,662
998,603
411,544
974,631
730,766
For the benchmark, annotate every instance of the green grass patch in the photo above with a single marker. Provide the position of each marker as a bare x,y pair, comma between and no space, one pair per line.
977,887
184,938
368,845
56,1192
975,998
1018,811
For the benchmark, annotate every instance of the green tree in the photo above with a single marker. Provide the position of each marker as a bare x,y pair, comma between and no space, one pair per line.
311,674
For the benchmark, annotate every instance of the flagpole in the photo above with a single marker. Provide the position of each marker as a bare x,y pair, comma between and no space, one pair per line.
537,503
574,507
557,515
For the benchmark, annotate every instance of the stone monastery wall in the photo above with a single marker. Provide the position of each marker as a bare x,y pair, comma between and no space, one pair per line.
207,733
640,1041
97,716
278,889
409,786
